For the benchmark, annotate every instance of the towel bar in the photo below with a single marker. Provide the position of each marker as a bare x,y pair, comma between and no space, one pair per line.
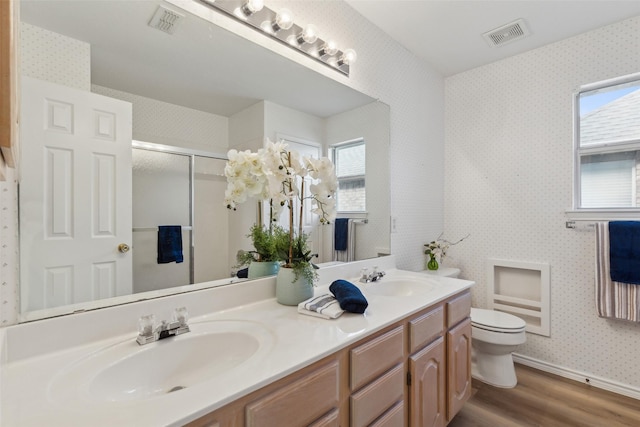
184,228
575,226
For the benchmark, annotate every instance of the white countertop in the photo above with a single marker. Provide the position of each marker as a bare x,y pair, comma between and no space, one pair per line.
30,396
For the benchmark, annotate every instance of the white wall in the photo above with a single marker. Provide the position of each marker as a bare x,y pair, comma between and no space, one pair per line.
508,182
284,120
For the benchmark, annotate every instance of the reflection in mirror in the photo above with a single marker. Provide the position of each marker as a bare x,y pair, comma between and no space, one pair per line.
210,100
349,160
179,187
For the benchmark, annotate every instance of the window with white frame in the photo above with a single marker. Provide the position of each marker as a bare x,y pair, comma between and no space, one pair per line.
349,160
607,145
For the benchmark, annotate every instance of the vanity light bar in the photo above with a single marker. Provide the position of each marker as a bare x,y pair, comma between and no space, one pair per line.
280,26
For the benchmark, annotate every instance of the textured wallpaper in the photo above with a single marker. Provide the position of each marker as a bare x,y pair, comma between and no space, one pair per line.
508,182
50,56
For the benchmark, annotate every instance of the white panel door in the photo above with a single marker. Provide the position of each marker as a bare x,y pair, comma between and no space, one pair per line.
75,196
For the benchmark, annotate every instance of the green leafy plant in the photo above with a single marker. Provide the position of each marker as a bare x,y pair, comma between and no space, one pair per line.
265,243
296,254
437,249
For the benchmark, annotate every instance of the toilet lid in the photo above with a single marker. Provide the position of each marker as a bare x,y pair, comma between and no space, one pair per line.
496,320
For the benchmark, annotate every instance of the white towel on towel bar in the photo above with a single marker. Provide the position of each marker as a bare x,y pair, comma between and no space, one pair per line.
614,300
325,306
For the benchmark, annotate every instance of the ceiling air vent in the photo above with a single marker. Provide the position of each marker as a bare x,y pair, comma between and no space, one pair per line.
507,33
165,20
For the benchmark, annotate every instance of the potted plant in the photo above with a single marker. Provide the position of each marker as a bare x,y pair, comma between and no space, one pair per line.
294,181
287,180
264,260
247,178
437,250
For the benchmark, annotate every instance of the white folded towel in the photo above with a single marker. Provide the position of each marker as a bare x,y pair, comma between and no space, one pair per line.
325,306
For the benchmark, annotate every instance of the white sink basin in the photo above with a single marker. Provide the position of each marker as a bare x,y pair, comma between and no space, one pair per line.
393,287
127,371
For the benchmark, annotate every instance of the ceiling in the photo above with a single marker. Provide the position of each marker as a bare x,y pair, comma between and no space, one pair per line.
448,33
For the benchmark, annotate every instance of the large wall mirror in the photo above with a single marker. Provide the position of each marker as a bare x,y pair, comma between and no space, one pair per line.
195,93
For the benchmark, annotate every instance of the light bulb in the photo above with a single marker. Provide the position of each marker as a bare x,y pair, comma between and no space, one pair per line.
308,35
329,48
348,57
252,6
284,20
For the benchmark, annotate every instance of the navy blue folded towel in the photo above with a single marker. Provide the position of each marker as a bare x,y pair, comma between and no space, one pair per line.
624,251
349,296
170,244
341,233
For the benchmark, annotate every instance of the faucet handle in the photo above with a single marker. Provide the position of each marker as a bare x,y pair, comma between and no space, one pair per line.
181,315
147,325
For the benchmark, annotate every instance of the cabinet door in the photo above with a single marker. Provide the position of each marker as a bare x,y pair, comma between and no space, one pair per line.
459,366
428,385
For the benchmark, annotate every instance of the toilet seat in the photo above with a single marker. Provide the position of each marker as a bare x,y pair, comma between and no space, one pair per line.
496,321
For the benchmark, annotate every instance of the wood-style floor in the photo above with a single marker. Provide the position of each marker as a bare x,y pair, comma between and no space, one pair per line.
542,399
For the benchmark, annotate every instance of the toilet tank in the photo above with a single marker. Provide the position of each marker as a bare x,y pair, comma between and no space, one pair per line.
445,272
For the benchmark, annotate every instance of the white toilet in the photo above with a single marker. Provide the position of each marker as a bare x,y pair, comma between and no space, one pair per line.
494,336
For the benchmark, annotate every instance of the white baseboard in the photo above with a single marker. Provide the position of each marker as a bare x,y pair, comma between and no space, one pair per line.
603,383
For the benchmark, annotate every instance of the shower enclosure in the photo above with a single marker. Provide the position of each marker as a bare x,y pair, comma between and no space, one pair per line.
178,186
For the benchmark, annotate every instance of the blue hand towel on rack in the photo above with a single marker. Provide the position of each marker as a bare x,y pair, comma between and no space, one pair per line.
349,296
170,244
341,234
624,251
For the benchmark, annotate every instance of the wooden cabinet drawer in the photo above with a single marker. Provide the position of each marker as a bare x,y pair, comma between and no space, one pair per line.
375,357
330,420
299,403
394,417
426,328
458,309
374,400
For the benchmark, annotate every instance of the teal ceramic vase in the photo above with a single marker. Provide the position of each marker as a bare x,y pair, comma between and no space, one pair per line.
290,292
262,269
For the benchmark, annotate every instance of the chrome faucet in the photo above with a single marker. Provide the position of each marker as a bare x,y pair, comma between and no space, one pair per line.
373,277
149,331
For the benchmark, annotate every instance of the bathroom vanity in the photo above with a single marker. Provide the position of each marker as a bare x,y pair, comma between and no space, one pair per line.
249,360
416,369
